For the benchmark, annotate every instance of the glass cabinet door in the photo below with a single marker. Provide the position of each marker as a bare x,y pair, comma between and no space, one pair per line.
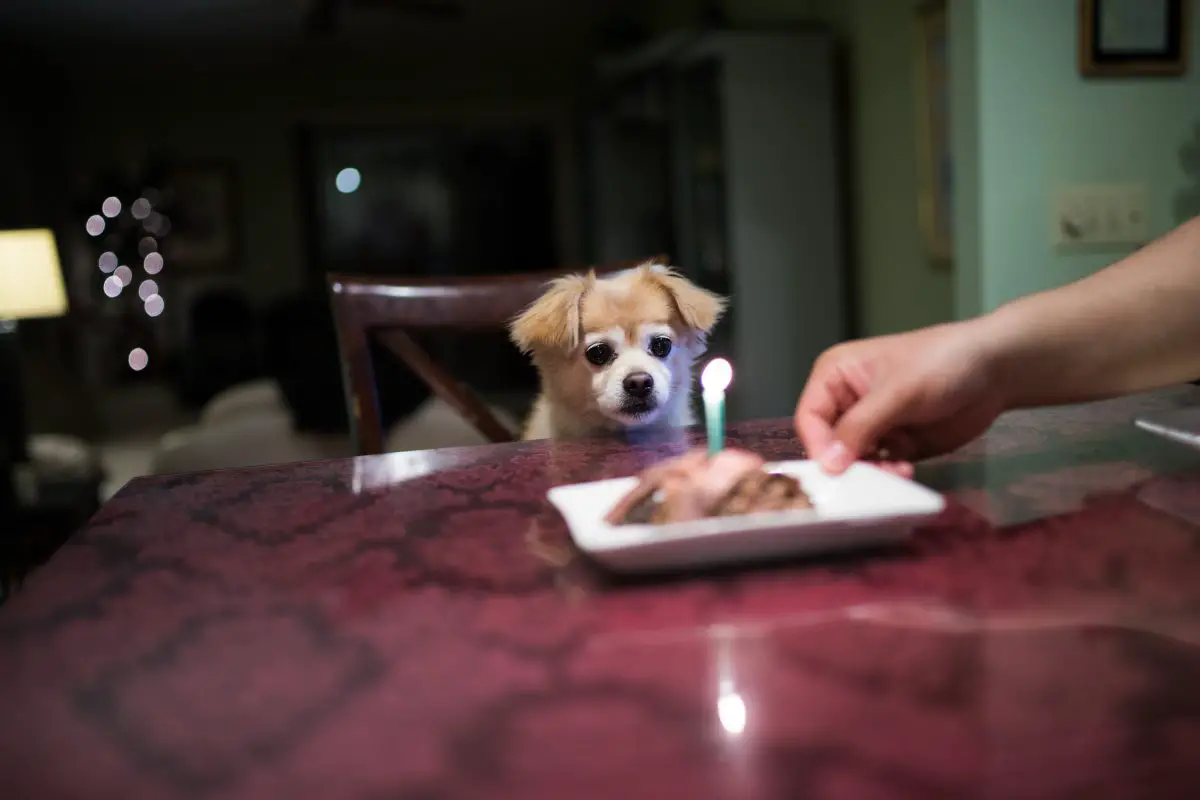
700,185
629,209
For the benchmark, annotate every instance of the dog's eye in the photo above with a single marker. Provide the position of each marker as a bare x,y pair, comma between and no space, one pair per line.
660,347
599,354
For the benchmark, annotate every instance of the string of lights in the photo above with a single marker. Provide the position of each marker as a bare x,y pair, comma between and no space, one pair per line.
116,223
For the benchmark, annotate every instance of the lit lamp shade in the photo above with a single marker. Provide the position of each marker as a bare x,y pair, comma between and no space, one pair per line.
31,280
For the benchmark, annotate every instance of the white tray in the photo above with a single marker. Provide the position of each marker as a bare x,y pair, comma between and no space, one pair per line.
862,507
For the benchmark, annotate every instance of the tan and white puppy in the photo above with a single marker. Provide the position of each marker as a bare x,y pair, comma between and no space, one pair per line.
615,353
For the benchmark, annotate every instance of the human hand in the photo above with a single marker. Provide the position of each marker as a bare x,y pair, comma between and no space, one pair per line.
907,396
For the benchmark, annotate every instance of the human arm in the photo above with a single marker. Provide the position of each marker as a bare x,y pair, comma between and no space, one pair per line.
1131,327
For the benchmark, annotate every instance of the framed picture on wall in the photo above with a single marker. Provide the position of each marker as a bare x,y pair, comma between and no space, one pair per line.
200,229
1120,38
935,199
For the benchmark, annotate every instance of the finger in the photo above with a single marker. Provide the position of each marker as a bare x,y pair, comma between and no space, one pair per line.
815,432
862,427
816,413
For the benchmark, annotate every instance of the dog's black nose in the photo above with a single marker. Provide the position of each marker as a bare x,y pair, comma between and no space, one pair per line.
638,384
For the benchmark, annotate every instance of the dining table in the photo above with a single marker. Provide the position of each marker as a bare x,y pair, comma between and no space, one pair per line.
419,625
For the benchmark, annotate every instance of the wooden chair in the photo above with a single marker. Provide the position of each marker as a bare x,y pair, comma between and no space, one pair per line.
387,309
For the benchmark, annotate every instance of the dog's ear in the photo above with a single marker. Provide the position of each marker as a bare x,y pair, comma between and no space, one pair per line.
699,308
552,321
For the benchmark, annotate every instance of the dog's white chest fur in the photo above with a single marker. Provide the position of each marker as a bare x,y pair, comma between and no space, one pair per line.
548,421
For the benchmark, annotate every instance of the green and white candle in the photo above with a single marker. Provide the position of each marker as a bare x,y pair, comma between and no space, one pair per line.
714,380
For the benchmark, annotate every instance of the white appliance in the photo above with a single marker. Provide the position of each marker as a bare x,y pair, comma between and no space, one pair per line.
724,149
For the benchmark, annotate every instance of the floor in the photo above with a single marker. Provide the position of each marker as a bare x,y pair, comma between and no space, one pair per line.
135,418
123,461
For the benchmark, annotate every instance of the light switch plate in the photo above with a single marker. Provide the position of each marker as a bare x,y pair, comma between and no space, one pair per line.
1090,216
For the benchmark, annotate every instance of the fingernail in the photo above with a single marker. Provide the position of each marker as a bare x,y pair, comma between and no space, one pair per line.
836,458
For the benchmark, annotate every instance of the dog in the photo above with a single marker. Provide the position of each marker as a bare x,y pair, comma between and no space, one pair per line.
615,353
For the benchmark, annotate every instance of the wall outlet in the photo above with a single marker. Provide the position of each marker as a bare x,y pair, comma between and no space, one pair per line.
1100,216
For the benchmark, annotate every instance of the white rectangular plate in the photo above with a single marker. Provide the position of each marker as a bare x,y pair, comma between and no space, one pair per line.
864,506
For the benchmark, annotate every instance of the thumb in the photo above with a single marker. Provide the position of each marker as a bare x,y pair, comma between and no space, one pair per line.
866,422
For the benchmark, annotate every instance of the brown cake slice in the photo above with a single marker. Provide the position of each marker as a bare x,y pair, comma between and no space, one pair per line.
695,486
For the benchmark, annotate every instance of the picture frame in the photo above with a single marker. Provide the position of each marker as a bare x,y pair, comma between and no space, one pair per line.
202,217
935,198
1133,38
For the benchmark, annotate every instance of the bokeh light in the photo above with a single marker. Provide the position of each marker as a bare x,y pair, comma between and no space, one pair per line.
110,207
147,245
124,274
348,180
153,263
113,286
147,288
95,225
153,222
108,261
154,305
141,208
138,359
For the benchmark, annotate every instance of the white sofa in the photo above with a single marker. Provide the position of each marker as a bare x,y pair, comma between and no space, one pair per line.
249,425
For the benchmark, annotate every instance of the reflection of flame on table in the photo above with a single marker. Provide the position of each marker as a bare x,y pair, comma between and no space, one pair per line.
731,706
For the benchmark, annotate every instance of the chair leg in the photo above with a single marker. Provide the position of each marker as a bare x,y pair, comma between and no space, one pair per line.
358,382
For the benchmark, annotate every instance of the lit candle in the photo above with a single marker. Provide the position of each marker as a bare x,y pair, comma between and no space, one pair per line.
714,380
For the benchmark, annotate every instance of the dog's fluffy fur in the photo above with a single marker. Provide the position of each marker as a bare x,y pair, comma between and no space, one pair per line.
624,317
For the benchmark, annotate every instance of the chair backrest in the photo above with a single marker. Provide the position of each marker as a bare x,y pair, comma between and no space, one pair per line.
387,309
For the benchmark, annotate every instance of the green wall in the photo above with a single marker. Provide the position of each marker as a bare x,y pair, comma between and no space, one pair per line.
1032,124
963,29
1024,123
897,287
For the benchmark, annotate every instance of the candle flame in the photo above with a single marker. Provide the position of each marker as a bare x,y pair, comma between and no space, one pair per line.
716,376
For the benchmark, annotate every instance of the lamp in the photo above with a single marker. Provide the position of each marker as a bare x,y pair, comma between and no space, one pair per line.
31,286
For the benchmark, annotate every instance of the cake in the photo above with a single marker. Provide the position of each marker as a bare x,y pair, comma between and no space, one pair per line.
699,486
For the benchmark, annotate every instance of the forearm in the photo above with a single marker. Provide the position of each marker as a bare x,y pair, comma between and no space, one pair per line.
1132,327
